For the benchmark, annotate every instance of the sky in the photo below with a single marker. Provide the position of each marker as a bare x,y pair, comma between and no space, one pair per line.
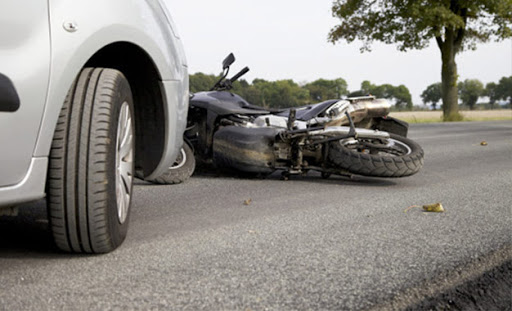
287,39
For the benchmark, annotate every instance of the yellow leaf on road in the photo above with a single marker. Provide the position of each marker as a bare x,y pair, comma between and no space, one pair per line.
434,208
431,208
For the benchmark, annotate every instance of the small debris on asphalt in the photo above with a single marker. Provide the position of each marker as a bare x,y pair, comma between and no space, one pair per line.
410,208
247,202
434,208
430,208
483,143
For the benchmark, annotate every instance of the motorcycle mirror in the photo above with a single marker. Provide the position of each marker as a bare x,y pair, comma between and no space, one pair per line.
228,61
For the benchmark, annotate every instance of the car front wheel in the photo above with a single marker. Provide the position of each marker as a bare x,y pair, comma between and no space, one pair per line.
90,174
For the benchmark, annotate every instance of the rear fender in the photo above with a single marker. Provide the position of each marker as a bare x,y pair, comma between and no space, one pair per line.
391,125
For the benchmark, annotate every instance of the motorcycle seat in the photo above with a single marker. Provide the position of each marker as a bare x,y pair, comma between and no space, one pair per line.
308,112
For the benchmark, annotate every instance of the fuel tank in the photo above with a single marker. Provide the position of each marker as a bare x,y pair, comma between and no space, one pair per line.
225,103
245,149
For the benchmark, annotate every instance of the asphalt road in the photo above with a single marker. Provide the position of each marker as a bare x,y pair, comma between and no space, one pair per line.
306,243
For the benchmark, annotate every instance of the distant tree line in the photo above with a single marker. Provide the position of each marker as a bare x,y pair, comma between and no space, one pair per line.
470,90
287,93
456,26
399,94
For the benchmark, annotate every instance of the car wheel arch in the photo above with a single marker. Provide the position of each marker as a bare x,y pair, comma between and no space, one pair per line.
145,81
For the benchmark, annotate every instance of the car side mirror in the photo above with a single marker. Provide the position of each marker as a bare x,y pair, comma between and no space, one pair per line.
228,61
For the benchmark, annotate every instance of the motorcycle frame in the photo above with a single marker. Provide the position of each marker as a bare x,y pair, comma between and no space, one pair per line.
296,151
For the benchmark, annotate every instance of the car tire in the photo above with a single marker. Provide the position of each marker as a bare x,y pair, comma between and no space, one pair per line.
90,174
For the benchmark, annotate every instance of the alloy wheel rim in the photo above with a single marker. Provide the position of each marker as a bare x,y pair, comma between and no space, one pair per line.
400,148
180,161
124,162
398,144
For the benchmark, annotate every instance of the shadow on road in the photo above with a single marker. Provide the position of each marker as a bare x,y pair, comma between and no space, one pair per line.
27,234
355,180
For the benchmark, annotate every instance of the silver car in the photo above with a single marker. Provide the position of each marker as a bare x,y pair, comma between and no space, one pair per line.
90,92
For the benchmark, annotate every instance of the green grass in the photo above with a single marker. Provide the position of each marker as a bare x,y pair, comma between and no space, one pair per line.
420,120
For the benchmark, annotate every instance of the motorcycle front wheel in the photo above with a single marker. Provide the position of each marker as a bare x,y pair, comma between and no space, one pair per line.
182,168
398,157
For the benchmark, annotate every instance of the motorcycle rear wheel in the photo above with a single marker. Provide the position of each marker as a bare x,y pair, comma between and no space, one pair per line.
399,158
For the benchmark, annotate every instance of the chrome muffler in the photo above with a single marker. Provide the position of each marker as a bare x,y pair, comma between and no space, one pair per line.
359,108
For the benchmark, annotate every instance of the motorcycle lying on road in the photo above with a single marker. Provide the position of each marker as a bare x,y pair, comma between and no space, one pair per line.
344,137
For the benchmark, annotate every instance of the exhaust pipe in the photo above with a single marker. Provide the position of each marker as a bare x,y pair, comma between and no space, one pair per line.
375,108
360,108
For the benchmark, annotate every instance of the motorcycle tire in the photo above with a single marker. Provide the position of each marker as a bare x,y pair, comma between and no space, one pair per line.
365,161
181,170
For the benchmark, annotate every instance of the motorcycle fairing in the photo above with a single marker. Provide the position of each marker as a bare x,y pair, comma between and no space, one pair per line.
217,104
245,149
306,113
225,103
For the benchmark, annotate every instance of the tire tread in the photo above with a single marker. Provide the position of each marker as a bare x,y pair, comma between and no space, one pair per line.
378,165
80,161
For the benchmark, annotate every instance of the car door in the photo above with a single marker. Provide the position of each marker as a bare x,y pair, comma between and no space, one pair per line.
25,70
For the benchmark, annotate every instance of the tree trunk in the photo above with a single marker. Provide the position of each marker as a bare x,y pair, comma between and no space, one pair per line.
449,77
450,90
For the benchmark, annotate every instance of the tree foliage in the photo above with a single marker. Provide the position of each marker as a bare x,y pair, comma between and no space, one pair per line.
201,82
276,94
287,93
504,89
490,91
399,94
432,95
412,24
322,89
470,90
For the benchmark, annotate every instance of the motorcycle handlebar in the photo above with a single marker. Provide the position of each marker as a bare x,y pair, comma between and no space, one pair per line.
238,75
